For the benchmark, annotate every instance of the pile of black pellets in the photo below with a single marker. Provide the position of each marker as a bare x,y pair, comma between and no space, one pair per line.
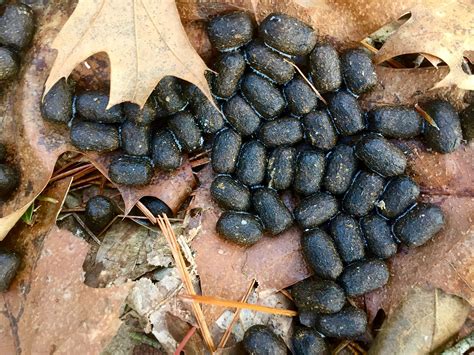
269,133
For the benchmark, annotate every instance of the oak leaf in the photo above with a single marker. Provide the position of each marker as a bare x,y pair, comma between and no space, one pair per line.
144,40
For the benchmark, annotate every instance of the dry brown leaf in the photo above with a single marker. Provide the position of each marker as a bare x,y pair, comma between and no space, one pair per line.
144,41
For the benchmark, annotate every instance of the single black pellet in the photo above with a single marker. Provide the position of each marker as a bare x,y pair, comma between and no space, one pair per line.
92,136
169,94
309,171
308,318
9,64
396,122
400,194
419,225
447,137
340,169
262,95
281,166
17,25
260,339
131,170
275,216
287,34
57,104
186,131
467,122
92,106
321,254
378,234
230,194
100,211
165,151
9,264
363,193
229,67
241,116
208,117
319,130
300,97
252,163
358,71
136,139
282,131
346,113
225,151
323,296
316,209
308,341
348,238
381,156
240,227
325,68
156,206
9,180
350,322
230,31
141,116
268,62
364,276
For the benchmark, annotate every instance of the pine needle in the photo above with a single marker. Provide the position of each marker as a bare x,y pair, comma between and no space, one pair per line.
426,116
84,169
215,301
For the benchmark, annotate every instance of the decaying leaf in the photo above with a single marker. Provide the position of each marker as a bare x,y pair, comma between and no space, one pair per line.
424,321
144,41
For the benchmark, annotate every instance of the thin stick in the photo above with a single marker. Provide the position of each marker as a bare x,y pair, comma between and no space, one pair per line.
287,294
89,179
170,236
306,79
426,116
215,301
185,340
88,231
71,172
236,316
341,346
76,209
147,212
200,162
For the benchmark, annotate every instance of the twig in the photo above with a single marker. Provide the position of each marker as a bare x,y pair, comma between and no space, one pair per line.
88,231
286,294
215,301
87,167
306,79
76,209
185,340
228,331
426,116
199,162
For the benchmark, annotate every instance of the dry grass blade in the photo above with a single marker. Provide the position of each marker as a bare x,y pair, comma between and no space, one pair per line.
307,81
426,116
226,335
215,301
165,226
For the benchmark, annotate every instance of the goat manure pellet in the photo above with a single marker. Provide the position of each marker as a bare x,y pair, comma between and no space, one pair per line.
396,122
136,139
208,117
229,67
230,31
230,194
358,70
346,113
349,323
239,227
282,131
140,116
260,339
57,104
241,116
341,167
319,129
309,171
131,170
9,64
225,151
378,234
156,206
307,341
399,195
325,68
17,25
322,296
93,136
169,94
165,151
362,195
186,131
348,238
100,211
280,169
92,106
252,163
316,209
300,97
275,216
364,276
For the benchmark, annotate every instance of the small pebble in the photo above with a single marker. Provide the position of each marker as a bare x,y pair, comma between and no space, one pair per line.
341,167
136,139
300,97
186,131
225,151
131,170
378,234
252,163
364,276
239,227
17,25
281,166
9,64
358,71
262,95
319,130
57,104
360,199
100,211
9,181
229,67
92,106
447,137
307,341
396,122
309,172
321,254
230,31
287,34
400,194
241,116
169,93
230,194
260,340
92,136
275,216
349,323
282,131
316,209
9,264
348,238
322,296
325,68
165,151
346,113
419,225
